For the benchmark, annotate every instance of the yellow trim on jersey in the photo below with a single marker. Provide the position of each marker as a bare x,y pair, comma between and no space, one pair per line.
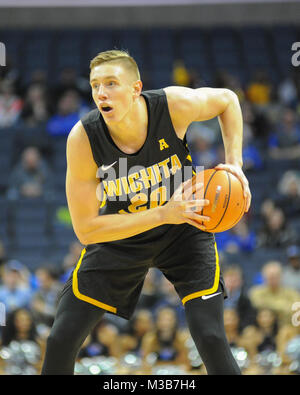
189,158
84,297
210,290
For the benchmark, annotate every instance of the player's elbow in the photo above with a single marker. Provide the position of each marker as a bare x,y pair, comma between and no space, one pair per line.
230,96
84,240
87,236
82,234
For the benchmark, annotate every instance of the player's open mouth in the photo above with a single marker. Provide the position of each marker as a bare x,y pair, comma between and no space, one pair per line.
106,109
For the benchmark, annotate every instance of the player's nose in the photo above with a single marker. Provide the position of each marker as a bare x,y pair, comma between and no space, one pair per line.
102,95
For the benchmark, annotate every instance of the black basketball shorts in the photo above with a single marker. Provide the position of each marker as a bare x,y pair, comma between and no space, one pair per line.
111,275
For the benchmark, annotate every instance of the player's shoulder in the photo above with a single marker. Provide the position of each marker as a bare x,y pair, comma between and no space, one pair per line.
183,104
171,95
154,95
178,96
79,154
77,139
76,133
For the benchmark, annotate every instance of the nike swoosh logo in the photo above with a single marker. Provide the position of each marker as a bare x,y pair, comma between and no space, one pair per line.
103,167
204,297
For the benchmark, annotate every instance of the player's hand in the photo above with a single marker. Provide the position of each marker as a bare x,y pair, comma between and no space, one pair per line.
238,172
183,208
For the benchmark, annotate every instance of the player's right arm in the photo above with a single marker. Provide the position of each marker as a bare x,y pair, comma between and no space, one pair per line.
83,203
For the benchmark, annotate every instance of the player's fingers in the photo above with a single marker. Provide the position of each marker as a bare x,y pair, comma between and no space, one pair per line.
248,201
180,191
195,216
238,172
220,166
190,190
235,170
186,184
195,205
196,224
246,190
186,190
191,186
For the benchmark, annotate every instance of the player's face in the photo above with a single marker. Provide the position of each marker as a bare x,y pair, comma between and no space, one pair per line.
113,91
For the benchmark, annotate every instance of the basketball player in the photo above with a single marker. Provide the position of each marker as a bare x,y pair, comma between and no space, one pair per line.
138,219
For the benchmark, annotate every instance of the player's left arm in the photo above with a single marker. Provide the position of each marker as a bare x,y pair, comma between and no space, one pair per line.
188,105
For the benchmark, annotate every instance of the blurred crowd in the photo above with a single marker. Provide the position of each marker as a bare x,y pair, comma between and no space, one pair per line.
262,318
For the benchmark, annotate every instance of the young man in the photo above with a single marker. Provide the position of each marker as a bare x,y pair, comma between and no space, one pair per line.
129,211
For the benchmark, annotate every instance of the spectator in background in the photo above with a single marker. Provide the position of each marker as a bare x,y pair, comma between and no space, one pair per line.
267,326
20,326
103,341
69,112
138,327
68,79
70,260
276,232
233,83
151,293
196,79
287,92
243,236
267,208
237,297
291,271
15,291
201,141
273,295
222,79
259,89
289,194
44,300
10,71
238,239
31,178
232,326
263,332
284,142
252,158
31,129
181,75
260,336
166,341
2,256
36,106
38,76
286,334
168,298
10,104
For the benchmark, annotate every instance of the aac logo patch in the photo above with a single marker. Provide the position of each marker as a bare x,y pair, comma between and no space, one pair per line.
162,144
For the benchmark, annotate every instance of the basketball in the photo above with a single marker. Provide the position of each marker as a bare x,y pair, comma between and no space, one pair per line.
226,199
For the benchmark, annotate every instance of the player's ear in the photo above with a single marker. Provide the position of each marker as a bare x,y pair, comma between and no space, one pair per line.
137,88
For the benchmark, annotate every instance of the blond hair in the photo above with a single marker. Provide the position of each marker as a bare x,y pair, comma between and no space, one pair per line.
118,56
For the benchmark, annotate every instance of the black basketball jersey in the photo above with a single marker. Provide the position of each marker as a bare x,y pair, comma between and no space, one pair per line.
131,183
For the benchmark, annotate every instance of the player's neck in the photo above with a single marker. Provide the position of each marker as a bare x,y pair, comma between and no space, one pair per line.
131,131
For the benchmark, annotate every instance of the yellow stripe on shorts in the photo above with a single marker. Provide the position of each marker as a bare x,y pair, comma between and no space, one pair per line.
85,298
211,290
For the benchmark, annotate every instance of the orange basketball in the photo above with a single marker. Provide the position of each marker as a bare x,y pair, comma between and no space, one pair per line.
226,199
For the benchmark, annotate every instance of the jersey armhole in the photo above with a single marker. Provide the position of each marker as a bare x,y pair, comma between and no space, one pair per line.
92,143
166,104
